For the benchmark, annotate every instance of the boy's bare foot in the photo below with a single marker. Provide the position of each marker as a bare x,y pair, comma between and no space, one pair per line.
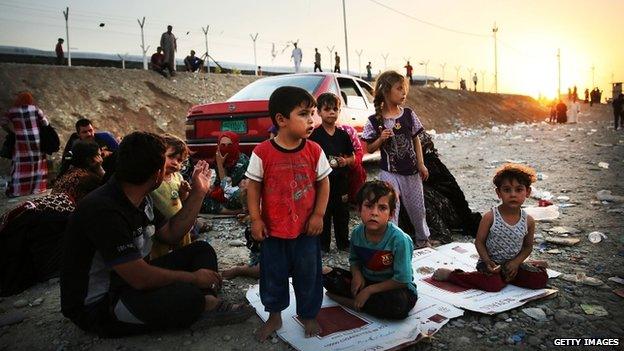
271,325
311,327
442,274
326,269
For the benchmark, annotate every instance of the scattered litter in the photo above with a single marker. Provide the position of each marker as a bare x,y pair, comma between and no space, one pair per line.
594,310
518,336
562,230
20,303
529,140
12,317
603,145
541,176
581,278
566,205
600,268
616,210
535,313
563,198
596,237
554,251
605,195
543,213
603,165
617,280
562,241
619,292
544,203
541,194
236,242
37,302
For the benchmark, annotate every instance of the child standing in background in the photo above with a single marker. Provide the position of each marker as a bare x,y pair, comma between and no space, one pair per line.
504,239
173,190
394,130
337,146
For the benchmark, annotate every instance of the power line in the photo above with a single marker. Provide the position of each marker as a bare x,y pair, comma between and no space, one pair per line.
427,22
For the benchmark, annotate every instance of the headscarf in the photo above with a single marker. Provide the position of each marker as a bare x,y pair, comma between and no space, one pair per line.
24,98
232,151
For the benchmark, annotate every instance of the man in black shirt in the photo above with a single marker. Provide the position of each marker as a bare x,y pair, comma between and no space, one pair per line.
338,148
108,284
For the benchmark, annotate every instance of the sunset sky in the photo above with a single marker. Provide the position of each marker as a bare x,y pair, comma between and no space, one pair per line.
459,34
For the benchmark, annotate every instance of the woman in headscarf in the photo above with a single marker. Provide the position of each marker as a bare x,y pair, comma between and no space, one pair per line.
227,196
31,233
29,169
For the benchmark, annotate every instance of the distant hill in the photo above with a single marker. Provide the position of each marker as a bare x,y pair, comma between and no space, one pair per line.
122,101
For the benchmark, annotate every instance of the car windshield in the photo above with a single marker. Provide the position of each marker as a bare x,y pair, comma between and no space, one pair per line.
263,88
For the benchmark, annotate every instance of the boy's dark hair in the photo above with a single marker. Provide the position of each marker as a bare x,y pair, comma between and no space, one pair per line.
178,145
140,155
83,122
284,100
328,99
525,175
83,152
373,190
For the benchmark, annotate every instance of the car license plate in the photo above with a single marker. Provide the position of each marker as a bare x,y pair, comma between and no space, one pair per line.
236,126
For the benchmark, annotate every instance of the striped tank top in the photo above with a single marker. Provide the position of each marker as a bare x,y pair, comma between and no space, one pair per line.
504,241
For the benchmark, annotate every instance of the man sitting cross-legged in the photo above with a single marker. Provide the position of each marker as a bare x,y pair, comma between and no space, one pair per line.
108,284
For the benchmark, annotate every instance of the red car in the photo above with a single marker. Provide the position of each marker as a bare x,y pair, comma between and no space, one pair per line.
247,112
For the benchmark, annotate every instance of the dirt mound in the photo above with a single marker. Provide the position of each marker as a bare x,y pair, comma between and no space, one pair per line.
125,100
446,110
116,100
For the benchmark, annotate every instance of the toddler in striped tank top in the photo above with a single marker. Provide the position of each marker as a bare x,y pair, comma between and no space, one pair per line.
504,239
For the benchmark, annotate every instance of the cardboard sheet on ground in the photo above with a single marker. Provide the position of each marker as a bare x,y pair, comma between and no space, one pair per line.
344,329
464,256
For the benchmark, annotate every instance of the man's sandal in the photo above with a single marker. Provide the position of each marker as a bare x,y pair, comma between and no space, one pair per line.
228,313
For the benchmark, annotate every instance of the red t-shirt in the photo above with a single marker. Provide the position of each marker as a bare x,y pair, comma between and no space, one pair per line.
288,180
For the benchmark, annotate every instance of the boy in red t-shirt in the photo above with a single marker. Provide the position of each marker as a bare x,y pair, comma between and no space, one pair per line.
288,174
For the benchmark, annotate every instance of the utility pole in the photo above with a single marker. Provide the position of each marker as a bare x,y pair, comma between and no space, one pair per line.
494,31
359,53
385,57
443,66
457,69
66,14
255,59
593,69
205,30
425,63
123,60
344,18
558,74
483,75
331,56
470,77
143,48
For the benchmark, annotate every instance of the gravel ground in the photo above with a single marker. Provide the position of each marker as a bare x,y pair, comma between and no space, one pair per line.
567,155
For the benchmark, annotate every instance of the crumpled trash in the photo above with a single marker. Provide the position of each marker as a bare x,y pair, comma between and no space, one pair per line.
595,310
540,194
581,278
604,165
543,213
596,237
541,176
536,313
518,336
605,195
